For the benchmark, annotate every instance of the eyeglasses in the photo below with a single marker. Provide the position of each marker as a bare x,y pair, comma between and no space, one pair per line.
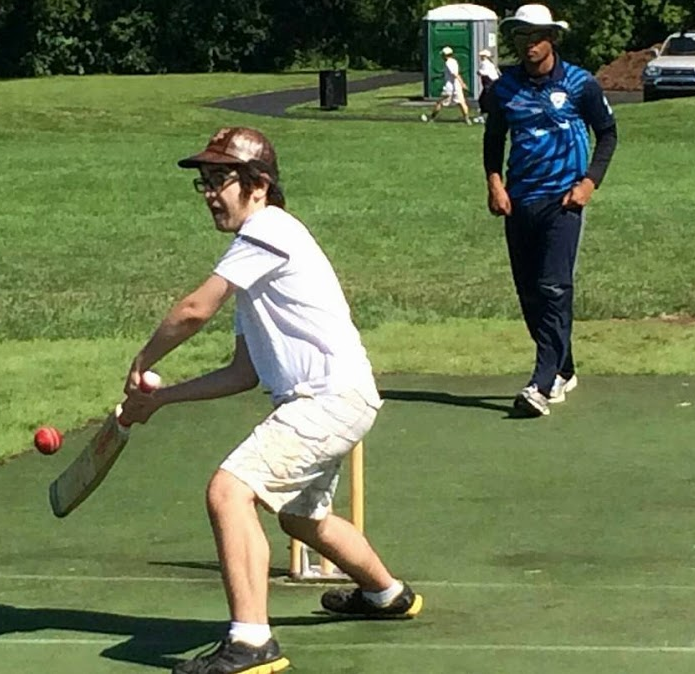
215,182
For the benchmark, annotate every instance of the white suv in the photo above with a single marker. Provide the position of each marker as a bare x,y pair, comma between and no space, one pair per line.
672,72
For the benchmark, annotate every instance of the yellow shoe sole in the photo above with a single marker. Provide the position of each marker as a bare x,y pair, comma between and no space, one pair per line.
416,607
418,603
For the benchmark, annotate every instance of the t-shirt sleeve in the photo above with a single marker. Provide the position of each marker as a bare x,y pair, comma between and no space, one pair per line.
594,106
494,139
248,260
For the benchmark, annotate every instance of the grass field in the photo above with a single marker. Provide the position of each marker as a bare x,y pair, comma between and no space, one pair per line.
566,550
102,232
559,547
98,176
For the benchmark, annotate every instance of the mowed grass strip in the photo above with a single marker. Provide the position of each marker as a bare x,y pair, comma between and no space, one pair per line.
67,382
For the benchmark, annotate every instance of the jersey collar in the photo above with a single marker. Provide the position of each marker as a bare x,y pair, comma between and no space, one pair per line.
555,75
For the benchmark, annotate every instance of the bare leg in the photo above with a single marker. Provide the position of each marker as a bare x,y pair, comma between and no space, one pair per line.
464,111
242,547
339,541
436,109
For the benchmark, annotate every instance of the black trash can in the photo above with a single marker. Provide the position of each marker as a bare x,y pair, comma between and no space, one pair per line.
332,89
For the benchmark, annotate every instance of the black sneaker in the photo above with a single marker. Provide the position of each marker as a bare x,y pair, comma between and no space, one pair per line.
232,657
352,602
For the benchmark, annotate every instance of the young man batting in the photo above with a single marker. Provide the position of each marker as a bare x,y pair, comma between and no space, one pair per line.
295,335
546,106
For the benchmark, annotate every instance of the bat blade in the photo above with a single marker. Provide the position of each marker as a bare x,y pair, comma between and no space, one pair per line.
89,468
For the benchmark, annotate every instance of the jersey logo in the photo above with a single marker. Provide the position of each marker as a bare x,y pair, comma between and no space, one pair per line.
558,99
608,106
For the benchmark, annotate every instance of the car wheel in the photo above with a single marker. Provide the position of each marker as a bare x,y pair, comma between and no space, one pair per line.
650,94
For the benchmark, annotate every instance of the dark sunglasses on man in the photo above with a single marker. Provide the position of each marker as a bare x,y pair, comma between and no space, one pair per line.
531,35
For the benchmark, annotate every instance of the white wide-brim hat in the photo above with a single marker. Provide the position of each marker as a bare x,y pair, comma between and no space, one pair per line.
485,52
533,15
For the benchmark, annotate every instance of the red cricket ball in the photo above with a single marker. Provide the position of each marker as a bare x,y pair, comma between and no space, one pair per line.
48,440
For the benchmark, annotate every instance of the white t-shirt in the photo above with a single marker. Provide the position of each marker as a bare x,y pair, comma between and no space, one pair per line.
451,70
487,69
292,312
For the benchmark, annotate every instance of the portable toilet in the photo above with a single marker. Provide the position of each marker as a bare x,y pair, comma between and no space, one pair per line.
467,29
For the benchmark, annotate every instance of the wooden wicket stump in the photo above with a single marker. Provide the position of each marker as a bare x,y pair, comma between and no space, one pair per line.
306,565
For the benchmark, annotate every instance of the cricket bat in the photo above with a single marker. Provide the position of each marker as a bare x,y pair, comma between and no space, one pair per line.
91,465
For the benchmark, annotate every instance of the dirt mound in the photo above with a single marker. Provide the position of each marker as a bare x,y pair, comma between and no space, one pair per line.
624,73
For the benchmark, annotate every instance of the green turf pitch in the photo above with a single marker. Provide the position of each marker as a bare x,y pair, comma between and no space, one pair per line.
562,544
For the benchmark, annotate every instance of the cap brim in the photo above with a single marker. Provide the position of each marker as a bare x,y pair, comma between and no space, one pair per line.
207,157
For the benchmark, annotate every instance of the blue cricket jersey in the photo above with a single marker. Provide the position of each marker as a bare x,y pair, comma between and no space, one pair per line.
547,119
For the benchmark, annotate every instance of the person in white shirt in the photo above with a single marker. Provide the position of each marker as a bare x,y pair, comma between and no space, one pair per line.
488,73
295,336
453,90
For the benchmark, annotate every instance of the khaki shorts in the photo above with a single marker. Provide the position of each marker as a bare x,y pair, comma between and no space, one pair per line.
292,458
452,95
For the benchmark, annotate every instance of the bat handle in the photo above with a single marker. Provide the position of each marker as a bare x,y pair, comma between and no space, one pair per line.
123,426
145,387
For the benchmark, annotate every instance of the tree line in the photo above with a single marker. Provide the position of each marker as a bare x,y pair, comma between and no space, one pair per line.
50,37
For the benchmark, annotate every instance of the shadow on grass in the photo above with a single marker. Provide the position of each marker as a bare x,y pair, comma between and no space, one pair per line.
482,402
151,641
275,571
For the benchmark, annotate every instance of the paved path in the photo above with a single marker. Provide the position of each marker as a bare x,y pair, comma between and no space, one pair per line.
275,103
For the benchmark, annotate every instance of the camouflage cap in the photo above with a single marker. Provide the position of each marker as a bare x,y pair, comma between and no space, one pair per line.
237,145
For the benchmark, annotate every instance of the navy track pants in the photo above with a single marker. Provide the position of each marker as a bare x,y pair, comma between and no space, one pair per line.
543,239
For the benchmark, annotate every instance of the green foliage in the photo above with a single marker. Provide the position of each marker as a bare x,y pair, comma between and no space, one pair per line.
312,26
655,19
130,43
42,37
393,30
16,34
600,30
6,7
211,35
66,41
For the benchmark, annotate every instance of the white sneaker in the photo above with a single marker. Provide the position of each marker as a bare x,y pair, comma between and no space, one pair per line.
531,402
424,118
561,387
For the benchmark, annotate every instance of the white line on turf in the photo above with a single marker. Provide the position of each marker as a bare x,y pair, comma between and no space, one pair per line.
415,583
528,648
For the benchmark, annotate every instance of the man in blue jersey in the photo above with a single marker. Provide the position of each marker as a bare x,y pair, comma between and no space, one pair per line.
546,106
